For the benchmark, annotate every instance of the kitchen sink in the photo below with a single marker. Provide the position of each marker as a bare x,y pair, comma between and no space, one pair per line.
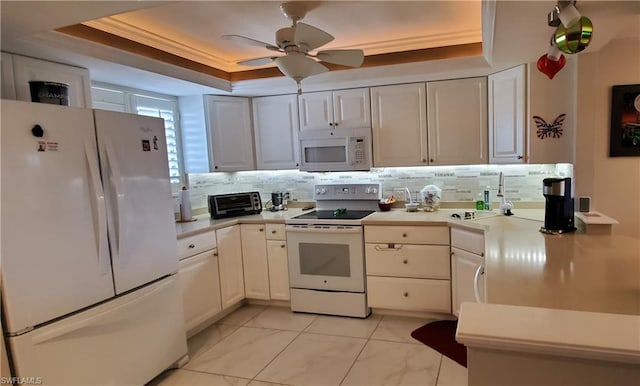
459,214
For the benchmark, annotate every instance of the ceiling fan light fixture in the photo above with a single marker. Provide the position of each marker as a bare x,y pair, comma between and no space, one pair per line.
297,66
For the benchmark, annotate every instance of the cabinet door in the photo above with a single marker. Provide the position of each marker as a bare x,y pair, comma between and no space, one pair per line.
316,110
254,257
351,108
229,124
457,114
463,269
275,120
278,269
230,264
399,122
27,69
199,280
506,115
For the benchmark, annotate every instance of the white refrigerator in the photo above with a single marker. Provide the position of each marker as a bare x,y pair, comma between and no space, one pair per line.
88,250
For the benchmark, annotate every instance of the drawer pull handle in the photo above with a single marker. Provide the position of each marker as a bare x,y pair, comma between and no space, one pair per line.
404,235
406,294
261,230
273,232
390,247
452,253
191,246
405,261
282,246
215,254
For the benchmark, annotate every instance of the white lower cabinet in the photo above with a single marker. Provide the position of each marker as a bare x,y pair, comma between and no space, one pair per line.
278,262
408,268
230,265
467,263
254,256
199,281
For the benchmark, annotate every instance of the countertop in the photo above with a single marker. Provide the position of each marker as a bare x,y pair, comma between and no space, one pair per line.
205,223
573,271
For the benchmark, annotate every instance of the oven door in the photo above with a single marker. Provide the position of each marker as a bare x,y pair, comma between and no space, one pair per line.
326,257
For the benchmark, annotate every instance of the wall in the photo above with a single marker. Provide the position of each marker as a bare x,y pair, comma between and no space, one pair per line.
523,183
613,183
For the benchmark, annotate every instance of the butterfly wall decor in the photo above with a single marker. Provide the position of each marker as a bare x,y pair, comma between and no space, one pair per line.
549,129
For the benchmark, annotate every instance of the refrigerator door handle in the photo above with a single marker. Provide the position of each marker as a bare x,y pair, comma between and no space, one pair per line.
116,182
99,207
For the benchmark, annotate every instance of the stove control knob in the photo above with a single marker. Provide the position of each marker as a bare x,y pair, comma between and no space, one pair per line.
323,191
369,190
318,191
374,190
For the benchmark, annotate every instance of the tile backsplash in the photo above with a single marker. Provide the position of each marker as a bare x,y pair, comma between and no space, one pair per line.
458,183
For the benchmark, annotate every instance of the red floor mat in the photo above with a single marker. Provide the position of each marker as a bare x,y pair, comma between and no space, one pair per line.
441,336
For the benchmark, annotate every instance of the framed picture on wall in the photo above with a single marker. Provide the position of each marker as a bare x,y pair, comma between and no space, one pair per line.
624,139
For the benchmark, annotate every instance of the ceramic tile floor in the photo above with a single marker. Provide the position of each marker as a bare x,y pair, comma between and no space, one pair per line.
262,346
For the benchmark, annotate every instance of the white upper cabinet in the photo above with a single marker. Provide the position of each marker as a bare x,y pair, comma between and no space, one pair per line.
231,141
275,122
335,109
28,69
216,133
457,114
506,113
399,125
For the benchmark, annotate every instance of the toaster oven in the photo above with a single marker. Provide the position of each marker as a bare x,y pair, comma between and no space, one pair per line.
234,204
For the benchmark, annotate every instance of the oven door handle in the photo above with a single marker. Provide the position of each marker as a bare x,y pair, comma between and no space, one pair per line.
324,229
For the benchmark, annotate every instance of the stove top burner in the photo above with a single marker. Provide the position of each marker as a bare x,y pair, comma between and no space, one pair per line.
337,214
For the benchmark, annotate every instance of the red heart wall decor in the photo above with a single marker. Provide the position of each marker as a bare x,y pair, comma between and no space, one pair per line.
550,67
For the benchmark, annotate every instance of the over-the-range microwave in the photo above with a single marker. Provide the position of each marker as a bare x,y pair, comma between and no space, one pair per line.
335,150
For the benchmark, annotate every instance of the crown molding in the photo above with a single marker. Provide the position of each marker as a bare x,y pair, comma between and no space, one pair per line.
128,31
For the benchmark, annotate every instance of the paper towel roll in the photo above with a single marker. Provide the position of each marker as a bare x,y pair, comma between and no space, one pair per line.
185,204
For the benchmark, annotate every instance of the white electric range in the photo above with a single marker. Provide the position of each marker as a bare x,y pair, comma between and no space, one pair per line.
326,251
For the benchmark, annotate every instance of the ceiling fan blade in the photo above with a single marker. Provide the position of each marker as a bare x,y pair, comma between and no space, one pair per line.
251,42
298,66
258,61
351,58
310,36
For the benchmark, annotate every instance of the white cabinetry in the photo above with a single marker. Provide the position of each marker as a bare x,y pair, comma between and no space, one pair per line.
457,115
399,124
216,133
229,123
506,113
335,109
278,262
408,268
467,264
199,280
275,120
230,264
25,69
254,257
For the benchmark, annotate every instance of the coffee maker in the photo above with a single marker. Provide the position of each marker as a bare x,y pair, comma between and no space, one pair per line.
558,211
279,201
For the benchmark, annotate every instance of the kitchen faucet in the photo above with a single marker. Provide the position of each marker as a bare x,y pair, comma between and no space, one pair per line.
505,206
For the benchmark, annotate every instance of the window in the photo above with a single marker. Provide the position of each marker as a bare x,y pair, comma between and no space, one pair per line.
117,98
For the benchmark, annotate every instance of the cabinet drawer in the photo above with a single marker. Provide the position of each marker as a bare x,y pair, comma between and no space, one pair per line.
409,294
468,240
407,260
275,232
407,234
195,244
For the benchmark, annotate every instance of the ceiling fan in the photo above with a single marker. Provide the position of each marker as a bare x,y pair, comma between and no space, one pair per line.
296,43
